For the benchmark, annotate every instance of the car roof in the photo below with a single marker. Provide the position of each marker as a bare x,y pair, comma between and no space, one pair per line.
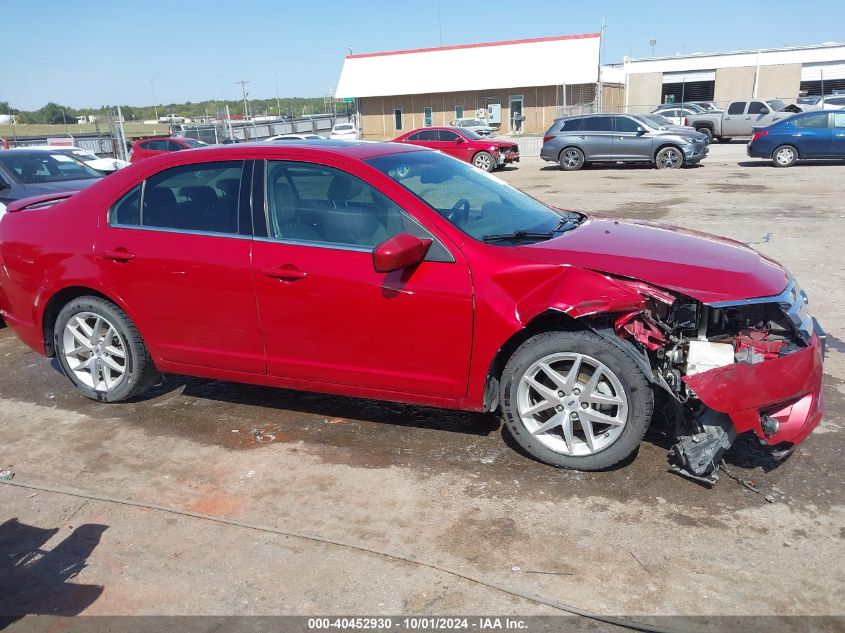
33,150
359,150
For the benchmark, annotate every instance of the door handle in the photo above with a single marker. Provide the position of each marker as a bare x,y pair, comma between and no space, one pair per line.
581,138
118,255
285,273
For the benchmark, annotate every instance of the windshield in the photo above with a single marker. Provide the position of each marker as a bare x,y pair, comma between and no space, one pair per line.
777,105
473,123
32,168
476,202
82,155
343,127
808,100
472,135
654,121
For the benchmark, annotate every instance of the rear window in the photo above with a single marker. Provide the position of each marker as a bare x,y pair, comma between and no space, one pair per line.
46,167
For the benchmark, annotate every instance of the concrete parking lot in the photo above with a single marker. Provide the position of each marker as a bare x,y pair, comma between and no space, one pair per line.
442,487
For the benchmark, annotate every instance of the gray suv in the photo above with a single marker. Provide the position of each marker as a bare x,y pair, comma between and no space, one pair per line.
575,141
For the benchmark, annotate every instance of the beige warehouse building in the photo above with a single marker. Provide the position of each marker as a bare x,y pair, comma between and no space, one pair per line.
778,73
518,86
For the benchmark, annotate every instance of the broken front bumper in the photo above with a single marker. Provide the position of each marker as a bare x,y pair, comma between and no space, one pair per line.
780,400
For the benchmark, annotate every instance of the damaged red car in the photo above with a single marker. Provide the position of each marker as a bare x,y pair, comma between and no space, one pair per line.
393,272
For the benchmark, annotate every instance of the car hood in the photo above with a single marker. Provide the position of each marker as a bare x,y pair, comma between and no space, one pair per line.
702,266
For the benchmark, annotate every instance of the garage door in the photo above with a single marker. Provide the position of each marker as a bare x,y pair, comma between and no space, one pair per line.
822,78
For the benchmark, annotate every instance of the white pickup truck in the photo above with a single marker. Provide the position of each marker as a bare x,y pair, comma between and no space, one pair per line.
740,117
171,118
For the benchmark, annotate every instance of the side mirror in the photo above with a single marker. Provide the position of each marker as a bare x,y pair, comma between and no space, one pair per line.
398,252
764,110
640,130
460,140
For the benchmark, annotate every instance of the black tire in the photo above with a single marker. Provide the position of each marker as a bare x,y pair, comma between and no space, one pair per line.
669,157
140,372
571,159
785,156
707,132
639,394
485,161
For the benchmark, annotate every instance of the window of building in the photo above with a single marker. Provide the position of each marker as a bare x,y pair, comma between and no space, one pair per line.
397,118
459,111
428,117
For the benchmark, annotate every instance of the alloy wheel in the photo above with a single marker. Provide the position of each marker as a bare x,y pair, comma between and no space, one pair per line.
94,351
669,159
571,158
482,161
572,403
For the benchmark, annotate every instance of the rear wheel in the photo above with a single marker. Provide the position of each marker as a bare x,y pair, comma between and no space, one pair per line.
484,160
101,351
707,132
784,156
573,400
669,158
571,159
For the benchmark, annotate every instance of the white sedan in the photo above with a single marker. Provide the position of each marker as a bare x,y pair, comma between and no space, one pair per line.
345,132
103,165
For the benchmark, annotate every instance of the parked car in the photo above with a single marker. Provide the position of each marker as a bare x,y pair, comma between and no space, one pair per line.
576,141
103,165
739,118
473,124
458,291
810,135
659,122
344,132
707,106
465,145
295,137
678,115
147,147
171,118
832,102
26,172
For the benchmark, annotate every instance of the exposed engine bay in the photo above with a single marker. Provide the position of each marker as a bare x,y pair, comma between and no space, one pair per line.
682,338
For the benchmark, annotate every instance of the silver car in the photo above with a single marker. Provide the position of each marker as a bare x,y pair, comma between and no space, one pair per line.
479,126
575,141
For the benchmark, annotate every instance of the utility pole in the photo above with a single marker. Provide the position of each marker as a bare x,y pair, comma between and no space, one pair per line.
153,89
245,93
600,99
652,43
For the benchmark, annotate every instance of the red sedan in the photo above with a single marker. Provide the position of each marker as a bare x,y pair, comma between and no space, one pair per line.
393,272
154,146
465,145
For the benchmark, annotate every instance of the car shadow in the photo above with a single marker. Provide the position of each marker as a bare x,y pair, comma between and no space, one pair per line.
327,405
763,162
34,580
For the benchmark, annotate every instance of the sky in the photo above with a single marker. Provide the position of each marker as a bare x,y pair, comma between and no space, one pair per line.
99,52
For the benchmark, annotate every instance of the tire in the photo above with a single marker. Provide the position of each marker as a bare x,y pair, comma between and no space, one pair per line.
784,156
571,159
707,132
669,157
620,380
485,161
112,377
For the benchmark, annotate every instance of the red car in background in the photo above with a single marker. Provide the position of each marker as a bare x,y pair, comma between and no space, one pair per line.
465,145
384,270
154,146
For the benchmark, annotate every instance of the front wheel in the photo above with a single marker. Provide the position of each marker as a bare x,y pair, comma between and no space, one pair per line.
484,160
669,158
574,400
784,156
101,351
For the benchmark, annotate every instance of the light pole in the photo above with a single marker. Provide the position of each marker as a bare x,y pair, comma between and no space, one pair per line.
652,43
153,89
64,120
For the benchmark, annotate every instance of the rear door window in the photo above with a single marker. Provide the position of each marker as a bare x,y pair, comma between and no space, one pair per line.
839,120
189,198
816,120
737,107
598,124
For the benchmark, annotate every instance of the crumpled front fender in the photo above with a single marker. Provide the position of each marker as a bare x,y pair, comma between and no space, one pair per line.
789,389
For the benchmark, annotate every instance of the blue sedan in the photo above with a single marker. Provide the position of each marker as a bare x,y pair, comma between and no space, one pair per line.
803,136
